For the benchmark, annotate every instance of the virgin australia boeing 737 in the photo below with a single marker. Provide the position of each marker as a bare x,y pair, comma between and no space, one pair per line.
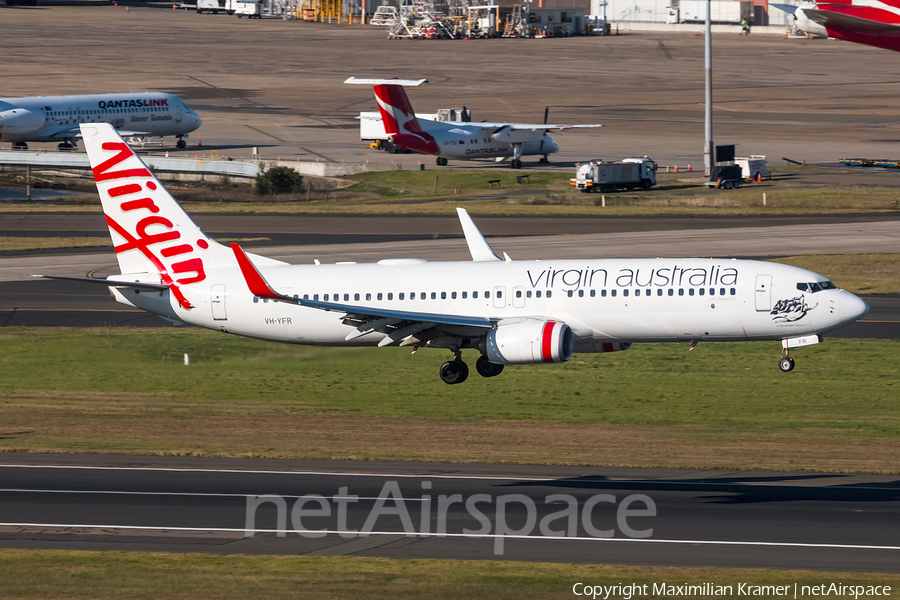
56,118
510,312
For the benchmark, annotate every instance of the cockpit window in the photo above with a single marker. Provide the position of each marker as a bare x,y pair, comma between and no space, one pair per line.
816,286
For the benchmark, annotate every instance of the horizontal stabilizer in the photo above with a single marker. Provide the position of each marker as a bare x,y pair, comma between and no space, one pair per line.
406,82
110,282
845,23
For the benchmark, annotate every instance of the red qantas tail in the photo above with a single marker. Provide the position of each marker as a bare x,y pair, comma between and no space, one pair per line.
400,122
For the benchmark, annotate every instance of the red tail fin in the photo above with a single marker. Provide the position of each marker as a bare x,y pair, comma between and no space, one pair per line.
396,111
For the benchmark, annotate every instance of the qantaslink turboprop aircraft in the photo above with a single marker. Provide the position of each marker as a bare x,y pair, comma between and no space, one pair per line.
510,312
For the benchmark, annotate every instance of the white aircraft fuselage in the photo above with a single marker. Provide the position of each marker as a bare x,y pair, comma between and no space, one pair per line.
57,118
511,312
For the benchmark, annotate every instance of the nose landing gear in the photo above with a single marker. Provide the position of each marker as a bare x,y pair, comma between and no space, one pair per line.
786,363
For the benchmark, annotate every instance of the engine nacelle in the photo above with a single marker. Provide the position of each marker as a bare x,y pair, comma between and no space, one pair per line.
20,120
529,342
588,347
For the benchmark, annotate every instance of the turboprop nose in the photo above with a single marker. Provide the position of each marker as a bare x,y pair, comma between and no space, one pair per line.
851,307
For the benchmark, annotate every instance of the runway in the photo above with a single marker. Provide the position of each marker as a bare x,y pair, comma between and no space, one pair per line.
677,518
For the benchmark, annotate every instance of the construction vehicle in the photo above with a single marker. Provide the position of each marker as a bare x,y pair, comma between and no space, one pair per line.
627,174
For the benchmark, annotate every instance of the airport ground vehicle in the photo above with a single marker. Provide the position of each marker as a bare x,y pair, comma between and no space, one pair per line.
601,176
249,8
725,176
753,168
214,6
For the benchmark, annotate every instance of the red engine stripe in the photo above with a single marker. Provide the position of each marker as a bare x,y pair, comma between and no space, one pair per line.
547,342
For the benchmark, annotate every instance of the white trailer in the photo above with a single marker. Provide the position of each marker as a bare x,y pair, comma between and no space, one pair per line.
601,176
216,6
753,168
721,11
249,8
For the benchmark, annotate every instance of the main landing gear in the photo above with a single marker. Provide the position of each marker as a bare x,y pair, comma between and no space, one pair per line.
181,143
441,161
456,371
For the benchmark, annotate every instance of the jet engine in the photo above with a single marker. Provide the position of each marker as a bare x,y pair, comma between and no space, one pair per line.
529,342
20,120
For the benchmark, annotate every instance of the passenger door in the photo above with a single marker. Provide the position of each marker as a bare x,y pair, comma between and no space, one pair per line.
763,293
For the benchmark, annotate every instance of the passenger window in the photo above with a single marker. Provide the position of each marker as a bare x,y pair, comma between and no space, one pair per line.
356,297
570,292
603,293
733,291
453,295
379,296
681,291
315,296
326,298
265,300
581,293
390,295
593,293
412,296
671,292
613,293
368,297
443,295
255,299
400,296
433,296
659,292
518,293
637,292
487,294
306,296
721,291
702,291
475,294
465,294
537,294
691,292
528,294
549,293
346,297
499,294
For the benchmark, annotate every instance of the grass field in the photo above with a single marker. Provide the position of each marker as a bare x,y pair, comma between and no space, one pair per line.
45,574
721,406
440,191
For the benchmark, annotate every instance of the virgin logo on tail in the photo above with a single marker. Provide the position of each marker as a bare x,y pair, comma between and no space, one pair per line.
150,228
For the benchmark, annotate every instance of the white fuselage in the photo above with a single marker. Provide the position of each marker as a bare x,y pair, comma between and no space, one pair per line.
627,300
57,118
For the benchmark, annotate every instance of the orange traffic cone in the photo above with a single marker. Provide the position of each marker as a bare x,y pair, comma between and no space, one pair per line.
199,142
676,167
174,7
167,154
758,177
719,182
126,9
689,167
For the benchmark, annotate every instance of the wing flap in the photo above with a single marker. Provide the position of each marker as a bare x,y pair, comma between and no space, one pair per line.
841,22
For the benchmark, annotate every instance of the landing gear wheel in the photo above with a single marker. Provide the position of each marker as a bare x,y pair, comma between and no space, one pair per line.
20,146
65,147
486,368
441,161
544,160
786,364
181,144
454,371
516,163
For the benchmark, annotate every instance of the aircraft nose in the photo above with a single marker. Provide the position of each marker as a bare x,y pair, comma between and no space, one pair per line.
851,307
553,146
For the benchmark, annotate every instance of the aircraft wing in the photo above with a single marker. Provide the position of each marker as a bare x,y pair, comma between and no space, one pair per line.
522,126
397,324
788,8
842,23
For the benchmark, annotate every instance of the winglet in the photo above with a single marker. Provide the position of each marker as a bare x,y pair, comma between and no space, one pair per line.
255,281
478,247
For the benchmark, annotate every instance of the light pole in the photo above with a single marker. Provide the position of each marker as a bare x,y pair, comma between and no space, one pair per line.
709,150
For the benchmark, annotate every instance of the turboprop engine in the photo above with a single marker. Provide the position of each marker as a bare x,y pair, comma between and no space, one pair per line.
20,120
529,342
